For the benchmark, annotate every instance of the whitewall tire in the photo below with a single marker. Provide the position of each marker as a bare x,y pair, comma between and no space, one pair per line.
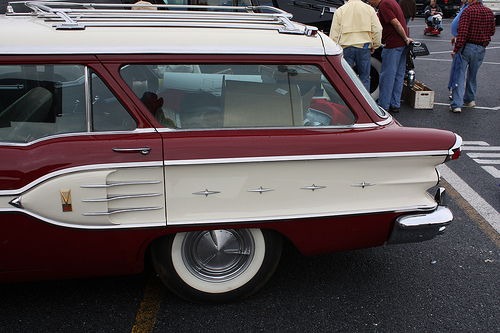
214,266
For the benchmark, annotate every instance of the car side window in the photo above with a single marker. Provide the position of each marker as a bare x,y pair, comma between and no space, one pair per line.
192,96
42,100
108,114
366,94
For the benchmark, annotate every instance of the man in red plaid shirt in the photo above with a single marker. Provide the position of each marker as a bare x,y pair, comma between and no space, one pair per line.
475,28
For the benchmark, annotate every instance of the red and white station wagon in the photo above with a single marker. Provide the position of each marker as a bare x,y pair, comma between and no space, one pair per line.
201,138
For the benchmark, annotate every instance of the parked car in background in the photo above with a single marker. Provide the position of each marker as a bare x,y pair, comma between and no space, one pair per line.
20,7
200,139
494,5
318,13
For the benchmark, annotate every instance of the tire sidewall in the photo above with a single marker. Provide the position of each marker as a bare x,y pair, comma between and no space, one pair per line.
169,266
221,287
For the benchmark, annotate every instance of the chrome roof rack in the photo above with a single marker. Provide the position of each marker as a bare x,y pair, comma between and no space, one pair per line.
78,16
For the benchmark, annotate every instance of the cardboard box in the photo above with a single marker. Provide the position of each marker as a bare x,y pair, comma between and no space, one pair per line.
418,97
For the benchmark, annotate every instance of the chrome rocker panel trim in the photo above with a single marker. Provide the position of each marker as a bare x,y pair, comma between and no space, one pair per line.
221,222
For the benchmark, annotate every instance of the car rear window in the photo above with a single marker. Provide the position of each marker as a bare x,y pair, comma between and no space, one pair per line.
191,96
47,99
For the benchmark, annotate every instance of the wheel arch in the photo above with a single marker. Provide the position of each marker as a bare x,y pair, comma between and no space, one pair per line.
313,236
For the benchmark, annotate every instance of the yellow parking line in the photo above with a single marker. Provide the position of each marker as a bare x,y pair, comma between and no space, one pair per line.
146,317
472,213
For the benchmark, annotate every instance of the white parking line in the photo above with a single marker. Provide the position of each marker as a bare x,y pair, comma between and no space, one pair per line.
483,155
449,52
480,161
481,148
489,213
479,158
450,60
492,170
494,108
475,143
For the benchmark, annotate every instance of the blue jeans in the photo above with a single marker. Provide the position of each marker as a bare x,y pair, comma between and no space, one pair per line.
392,75
472,58
362,59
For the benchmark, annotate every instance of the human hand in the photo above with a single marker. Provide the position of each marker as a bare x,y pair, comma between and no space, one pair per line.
409,41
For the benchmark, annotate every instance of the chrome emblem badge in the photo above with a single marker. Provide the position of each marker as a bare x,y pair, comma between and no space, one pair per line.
66,201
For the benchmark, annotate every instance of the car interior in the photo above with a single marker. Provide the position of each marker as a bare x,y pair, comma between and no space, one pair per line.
237,96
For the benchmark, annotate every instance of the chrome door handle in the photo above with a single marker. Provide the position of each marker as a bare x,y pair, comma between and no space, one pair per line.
143,150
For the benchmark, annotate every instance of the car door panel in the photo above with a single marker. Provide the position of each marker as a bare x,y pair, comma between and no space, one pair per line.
74,187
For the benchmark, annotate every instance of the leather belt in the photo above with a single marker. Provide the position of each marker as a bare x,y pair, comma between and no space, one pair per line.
480,44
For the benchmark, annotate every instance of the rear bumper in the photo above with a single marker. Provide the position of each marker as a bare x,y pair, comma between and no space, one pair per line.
422,226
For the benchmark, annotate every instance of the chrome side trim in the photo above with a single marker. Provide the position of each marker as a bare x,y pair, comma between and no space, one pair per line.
301,216
206,192
353,126
121,184
363,184
65,135
261,190
303,157
16,202
88,99
125,210
386,121
81,168
223,161
118,197
313,187
222,221
160,49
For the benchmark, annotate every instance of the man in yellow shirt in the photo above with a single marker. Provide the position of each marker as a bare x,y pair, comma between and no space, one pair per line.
357,29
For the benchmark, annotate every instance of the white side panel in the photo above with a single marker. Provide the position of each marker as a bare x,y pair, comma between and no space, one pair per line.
128,196
391,183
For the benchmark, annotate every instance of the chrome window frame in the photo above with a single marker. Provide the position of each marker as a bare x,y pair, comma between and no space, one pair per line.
366,94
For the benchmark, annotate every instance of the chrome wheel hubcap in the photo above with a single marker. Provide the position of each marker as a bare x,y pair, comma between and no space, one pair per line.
218,255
